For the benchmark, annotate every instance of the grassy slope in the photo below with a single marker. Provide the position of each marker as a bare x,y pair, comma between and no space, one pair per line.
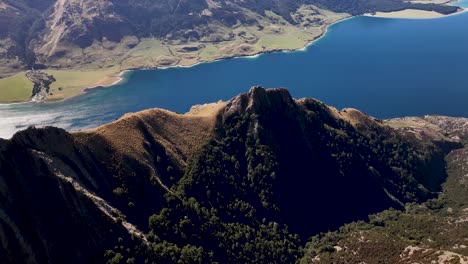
73,82
16,88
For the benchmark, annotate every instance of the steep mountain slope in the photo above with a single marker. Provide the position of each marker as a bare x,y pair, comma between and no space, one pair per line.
433,232
67,197
246,181
18,22
279,171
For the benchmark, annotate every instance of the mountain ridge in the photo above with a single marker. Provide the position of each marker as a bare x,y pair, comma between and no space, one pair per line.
165,187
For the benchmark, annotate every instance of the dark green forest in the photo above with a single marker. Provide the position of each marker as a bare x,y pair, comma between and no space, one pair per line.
277,180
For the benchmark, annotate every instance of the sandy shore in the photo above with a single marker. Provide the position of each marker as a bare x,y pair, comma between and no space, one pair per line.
412,14
109,80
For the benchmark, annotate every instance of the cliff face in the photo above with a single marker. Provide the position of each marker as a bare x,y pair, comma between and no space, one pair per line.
257,164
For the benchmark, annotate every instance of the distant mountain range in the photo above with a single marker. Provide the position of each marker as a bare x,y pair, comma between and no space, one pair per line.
243,181
67,33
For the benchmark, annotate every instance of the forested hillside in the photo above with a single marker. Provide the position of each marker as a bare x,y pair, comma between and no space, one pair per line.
246,181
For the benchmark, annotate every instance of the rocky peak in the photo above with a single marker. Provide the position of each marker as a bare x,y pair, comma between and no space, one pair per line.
261,100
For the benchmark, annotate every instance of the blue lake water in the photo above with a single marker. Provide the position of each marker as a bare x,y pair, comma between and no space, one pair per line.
461,3
385,67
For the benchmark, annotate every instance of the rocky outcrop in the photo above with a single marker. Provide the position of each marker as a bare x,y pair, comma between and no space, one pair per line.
41,84
258,99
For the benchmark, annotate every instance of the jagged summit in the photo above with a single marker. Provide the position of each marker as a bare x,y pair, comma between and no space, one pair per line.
259,99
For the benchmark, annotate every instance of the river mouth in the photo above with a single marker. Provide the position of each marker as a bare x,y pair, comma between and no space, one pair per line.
385,67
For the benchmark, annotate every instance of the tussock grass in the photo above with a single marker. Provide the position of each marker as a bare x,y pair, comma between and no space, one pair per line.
179,134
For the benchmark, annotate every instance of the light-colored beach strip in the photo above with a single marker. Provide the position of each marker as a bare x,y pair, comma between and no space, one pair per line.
410,14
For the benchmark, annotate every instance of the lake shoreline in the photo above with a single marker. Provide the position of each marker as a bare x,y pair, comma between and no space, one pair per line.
366,63
414,14
119,77
109,81
115,79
